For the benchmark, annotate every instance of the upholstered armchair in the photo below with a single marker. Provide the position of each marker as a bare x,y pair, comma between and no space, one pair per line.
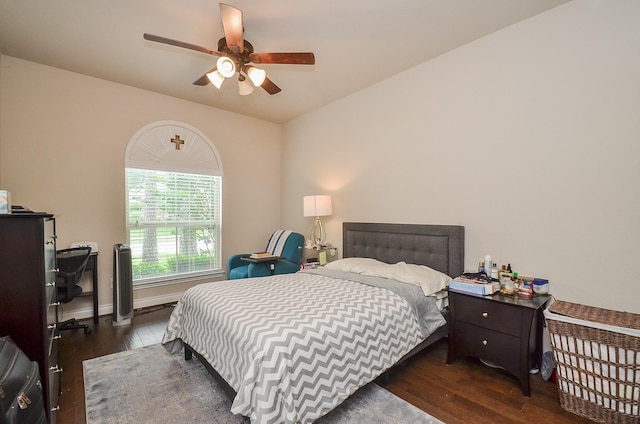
287,244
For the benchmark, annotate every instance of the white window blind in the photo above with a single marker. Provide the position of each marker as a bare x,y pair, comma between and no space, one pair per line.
173,223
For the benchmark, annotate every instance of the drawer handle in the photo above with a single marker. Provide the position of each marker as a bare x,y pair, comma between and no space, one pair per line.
55,369
55,408
485,314
53,284
484,343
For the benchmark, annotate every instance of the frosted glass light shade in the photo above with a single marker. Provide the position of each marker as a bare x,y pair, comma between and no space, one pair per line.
216,78
245,88
226,67
257,76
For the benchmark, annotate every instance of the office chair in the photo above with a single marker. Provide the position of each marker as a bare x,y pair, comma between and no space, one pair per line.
287,244
71,265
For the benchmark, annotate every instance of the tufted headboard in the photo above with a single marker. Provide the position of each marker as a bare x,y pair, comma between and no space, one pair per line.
440,247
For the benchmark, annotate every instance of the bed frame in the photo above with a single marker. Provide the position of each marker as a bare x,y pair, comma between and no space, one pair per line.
440,247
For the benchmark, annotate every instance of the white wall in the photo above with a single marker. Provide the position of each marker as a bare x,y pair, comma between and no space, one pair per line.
63,138
529,137
526,137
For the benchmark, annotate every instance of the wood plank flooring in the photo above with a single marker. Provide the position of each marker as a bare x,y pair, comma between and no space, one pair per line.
463,392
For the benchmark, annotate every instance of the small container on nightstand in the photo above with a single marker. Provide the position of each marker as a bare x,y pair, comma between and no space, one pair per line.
540,286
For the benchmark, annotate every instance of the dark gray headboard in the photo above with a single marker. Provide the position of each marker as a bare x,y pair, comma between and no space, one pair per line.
440,247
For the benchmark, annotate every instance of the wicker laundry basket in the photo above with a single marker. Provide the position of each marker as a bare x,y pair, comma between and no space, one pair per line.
597,355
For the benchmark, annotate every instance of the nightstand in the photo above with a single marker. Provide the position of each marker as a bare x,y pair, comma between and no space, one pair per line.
503,330
322,255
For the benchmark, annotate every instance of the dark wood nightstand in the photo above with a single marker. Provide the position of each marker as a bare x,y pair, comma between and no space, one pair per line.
503,330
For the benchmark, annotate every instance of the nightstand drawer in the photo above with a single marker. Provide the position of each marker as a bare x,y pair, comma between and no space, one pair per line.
487,314
499,348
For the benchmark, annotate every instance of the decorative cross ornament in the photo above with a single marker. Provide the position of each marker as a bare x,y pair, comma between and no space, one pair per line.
177,141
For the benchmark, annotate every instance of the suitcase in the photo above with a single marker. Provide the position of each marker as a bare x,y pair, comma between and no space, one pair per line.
20,387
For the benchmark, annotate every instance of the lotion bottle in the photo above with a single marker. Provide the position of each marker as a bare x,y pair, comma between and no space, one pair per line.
494,271
488,265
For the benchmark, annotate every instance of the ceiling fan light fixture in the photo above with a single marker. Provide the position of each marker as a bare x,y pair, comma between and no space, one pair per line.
216,78
244,87
226,67
234,55
257,76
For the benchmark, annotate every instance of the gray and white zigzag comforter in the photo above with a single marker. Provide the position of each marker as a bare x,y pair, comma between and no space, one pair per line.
295,346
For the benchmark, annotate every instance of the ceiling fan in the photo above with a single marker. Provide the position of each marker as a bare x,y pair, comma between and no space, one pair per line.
236,56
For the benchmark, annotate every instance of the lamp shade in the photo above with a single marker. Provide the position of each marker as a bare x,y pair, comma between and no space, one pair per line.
318,205
216,78
257,76
226,67
244,86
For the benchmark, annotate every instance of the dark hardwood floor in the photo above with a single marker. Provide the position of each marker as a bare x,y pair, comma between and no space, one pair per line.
463,392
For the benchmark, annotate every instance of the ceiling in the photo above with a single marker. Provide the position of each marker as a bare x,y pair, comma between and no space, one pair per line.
356,43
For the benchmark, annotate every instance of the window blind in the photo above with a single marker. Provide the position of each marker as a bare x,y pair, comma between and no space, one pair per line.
173,224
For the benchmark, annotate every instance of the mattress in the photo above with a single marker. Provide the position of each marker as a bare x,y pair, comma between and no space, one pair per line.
295,346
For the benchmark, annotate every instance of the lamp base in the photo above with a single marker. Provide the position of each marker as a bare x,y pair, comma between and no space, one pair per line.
318,235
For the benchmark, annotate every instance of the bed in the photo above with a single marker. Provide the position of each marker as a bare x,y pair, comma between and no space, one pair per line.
290,348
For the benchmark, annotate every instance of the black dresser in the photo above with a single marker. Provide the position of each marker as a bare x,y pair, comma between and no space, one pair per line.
504,330
28,307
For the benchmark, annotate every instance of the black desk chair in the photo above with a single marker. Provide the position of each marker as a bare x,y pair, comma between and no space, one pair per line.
71,265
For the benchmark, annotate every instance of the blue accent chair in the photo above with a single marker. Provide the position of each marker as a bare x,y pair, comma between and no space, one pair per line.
283,243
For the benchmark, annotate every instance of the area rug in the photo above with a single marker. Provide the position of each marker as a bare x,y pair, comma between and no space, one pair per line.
150,385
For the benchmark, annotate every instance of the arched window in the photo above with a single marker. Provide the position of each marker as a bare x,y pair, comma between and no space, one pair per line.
174,204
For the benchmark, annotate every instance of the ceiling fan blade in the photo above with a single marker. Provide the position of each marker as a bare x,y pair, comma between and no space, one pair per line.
182,44
233,27
270,87
204,80
284,58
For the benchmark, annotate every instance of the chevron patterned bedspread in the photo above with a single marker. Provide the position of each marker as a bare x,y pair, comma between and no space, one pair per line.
294,346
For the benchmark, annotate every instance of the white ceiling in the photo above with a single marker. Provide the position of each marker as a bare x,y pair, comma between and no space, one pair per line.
356,42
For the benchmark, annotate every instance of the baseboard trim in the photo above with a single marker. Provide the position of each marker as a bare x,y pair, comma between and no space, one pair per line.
87,312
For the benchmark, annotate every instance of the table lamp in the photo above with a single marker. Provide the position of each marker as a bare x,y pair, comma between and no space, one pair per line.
318,205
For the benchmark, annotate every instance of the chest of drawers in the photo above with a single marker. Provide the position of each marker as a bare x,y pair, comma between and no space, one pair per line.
28,307
503,330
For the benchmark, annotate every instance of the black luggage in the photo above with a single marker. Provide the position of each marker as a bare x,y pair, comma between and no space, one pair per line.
20,388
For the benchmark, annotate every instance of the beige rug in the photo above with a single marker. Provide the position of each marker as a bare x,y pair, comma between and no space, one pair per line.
149,385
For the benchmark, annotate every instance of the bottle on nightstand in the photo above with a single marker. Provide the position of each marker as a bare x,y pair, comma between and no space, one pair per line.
494,271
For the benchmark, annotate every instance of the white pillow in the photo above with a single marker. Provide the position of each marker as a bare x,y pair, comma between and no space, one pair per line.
356,265
428,279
